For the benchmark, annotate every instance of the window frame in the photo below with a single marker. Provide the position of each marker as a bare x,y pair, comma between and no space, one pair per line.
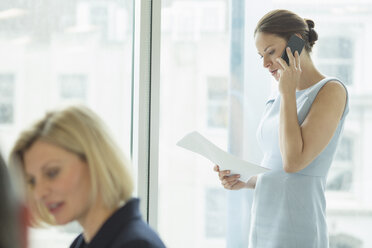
145,105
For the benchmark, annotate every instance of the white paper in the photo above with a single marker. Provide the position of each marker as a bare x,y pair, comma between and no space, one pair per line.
195,142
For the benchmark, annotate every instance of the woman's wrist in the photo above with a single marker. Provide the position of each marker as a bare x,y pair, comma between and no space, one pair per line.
251,183
288,94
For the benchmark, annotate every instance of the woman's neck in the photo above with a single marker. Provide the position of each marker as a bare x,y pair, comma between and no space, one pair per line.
310,74
93,220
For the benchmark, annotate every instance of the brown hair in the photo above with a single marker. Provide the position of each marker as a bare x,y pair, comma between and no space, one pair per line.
285,23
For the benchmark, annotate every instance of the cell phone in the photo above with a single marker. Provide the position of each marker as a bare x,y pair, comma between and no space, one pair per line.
296,44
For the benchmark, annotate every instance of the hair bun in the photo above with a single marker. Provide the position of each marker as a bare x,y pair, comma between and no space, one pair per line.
310,23
313,36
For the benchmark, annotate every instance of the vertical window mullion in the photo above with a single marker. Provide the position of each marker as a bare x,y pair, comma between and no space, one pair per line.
145,127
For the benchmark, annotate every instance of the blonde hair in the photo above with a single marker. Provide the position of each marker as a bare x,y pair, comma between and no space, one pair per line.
79,130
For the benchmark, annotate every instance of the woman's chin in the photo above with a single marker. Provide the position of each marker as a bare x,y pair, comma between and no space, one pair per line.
62,222
276,76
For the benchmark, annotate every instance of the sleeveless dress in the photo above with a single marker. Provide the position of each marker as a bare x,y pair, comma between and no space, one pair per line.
289,209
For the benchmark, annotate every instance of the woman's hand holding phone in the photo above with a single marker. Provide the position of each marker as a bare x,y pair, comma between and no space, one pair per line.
290,70
295,43
289,74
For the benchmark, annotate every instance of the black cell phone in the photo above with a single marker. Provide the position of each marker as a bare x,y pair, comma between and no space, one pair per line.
296,44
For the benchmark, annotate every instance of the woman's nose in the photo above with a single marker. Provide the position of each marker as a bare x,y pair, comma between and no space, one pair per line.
41,190
266,63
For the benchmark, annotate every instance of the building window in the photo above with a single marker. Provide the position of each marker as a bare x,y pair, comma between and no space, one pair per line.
6,98
213,17
341,174
185,22
73,87
99,17
344,241
345,150
215,213
217,102
335,54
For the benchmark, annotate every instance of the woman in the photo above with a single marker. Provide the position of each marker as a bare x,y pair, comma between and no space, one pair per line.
298,134
74,171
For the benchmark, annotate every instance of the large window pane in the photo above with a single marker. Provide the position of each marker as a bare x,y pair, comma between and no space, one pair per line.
54,52
194,95
212,81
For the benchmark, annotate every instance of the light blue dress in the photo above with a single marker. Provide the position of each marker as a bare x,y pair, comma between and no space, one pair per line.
289,209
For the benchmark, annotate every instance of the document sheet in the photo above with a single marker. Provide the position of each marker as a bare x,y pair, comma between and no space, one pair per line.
195,142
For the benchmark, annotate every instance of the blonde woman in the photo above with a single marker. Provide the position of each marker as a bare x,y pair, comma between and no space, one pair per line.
73,170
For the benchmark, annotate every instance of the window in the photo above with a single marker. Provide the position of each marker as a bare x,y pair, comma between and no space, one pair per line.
344,241
195,96
213,17
7,98
217,102
335,55
341,176
345,150
185,21
212,81
215,209
99,16
73,87
55,54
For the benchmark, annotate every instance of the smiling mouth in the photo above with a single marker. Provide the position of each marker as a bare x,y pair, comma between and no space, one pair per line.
273,72
54,207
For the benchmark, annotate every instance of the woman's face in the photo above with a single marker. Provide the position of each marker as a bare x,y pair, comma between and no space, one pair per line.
59,180
270,47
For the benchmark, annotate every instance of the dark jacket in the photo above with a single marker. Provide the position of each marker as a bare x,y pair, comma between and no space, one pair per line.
124,229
